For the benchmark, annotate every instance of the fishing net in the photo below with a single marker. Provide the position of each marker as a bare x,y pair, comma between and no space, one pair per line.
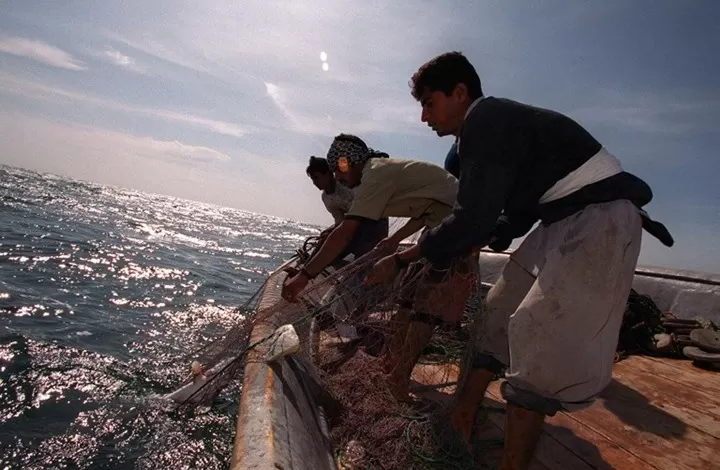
393,382
647,330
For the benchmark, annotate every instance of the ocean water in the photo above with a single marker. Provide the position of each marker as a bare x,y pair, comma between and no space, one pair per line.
102,292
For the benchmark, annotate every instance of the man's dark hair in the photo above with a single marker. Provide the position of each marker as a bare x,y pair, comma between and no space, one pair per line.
317,165
444,73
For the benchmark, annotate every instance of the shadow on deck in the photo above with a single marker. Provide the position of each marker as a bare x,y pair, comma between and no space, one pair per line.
656,414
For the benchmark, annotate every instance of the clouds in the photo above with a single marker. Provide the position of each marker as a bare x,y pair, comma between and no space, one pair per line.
179,168
118,58
95,143
278,43
224,101
39,91
53,56
121,60
41,52
278,97
674,112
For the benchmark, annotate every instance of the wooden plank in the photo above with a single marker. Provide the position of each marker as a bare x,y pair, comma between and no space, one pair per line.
550,457
627,418
593,448
679,370
549,453
597,450
695,408
433,374
641,418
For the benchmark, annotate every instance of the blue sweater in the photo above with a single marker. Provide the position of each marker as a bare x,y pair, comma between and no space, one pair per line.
512,153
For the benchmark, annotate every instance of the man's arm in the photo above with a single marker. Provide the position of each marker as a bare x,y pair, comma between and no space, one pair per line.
334,244
369,202
411,227
510,226
337,215
487,173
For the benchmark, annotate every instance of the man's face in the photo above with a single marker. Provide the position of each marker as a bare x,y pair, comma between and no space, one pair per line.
322,181
351,177
443,113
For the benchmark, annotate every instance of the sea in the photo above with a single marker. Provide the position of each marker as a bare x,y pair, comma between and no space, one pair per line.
103,293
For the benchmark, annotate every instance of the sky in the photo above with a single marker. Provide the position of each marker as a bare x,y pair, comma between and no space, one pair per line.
224,101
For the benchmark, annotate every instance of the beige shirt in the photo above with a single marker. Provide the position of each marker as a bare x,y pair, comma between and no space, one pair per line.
392,187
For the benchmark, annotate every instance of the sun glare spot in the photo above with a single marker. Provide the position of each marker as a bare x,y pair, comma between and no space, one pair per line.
323,56
325,66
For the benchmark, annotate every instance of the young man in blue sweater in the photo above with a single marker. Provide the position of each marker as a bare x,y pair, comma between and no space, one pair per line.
552,319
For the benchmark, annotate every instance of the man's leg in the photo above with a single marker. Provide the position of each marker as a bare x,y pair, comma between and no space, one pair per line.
419,332
488,356
399,325
563,335
400,322
444,293
522,433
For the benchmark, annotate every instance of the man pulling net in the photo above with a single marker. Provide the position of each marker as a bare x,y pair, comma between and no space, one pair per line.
424,193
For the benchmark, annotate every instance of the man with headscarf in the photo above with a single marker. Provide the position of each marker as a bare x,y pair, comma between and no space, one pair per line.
337,199
389,187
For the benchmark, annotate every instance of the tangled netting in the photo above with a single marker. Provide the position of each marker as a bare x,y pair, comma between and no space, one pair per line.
347,330
648,330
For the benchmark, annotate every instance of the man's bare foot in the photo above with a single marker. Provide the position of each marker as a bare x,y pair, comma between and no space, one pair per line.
292,271
462,421
399,388
388,363
400,394
522,432
468,401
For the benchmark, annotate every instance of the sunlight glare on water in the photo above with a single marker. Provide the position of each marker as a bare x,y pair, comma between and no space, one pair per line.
102,293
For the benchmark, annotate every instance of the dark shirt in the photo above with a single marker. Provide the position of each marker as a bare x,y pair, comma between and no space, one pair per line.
511,154
452,161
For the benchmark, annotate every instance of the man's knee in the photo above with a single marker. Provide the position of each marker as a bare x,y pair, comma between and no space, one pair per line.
426,318
405,304
487,362
549,406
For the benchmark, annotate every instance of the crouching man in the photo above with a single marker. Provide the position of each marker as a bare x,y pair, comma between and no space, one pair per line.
389,187
337,199
552,319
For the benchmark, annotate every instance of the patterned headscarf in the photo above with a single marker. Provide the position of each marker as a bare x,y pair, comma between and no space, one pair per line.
344,153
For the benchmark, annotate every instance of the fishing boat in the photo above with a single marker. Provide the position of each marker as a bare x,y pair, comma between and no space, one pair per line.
657,413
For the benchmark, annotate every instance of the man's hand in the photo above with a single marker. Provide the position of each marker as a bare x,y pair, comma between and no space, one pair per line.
291,270
382,271
293,286
387,245
324,234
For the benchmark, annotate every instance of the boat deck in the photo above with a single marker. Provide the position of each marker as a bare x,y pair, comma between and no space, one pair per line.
656,414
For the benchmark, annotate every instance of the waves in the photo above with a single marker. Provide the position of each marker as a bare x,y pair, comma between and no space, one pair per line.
102,292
